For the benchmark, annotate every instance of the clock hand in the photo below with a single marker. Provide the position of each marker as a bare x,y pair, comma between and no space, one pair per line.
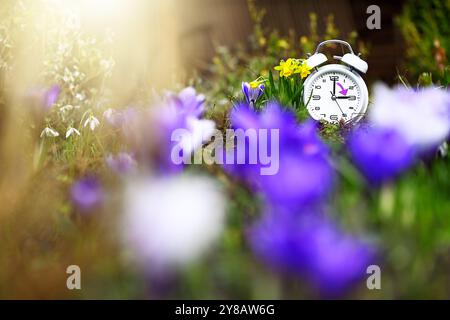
343,114
333,97
345,97
334,87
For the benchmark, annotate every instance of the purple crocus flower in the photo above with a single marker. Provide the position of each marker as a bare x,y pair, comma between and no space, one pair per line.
51,96
380,154
187,102
122,163
335,260
43,99
121,119
252,91
304,175
173,122
191,133
87,193
310,246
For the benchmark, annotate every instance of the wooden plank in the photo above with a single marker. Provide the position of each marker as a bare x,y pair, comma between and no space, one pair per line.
204,23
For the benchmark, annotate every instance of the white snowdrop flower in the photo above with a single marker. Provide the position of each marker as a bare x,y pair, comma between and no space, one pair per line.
422,116
71,131
49,132
92,122
171,221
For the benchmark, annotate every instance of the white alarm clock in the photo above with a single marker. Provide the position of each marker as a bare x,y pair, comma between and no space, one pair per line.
336,92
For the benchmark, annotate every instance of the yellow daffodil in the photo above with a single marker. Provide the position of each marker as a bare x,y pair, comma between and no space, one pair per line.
283,44
256,83
293,66
303,69
286,68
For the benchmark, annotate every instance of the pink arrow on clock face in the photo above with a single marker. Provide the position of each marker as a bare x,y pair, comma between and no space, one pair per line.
343,90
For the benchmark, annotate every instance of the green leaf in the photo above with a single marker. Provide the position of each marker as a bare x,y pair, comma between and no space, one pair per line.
273,89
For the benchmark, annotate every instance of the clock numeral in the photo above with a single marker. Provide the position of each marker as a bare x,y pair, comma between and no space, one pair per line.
324,80
351,108
352,98
334,117
323,115
317,87
316,97
316,108
351,87
334,78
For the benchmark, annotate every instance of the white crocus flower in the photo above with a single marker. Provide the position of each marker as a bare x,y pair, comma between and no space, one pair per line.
49,132
71,131
92,122
171,221
200,131
422,116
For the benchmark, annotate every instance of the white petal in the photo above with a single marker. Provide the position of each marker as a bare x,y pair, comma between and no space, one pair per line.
421,117
164,232
200,132
54,133
72,131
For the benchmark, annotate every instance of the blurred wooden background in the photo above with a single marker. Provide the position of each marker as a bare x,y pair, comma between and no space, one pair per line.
206,23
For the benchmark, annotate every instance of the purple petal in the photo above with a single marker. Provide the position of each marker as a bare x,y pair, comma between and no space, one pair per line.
380,154
87,193
51,97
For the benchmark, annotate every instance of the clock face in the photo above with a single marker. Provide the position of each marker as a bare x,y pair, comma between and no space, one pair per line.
335,94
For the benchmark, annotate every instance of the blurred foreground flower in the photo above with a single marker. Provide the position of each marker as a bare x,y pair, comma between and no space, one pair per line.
87,193
170,222
422,116
304,174
200,131
310,246
380,154
171,126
